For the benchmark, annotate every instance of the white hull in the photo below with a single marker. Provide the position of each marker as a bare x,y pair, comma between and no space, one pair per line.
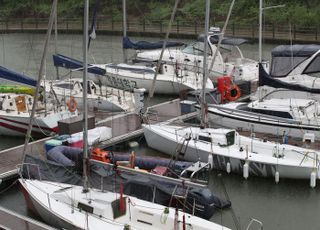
58,204
101,98
140,77
17,124
262,164
255,123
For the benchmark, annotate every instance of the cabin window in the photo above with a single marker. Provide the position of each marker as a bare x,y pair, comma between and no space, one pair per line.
196,48
204,138
65,86
230,137
282,114
282,66
117,212
314,66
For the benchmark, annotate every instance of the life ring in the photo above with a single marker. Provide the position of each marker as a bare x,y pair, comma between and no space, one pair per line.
233,93
72,104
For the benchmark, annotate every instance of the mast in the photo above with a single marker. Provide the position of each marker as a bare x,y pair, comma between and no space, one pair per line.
124,12
40,75
56,39
260,30
221,37
261,9
85,87
205,67
151,91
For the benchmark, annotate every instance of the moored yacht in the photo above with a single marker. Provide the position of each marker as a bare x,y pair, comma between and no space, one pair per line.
229,61
294,72
229,151
99,97
291,117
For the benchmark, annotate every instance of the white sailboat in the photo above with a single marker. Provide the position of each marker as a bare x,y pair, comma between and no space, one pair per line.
231,152
15,116
16,103
99,97
294,72
229,61
292,117
226,150
170,79
75,207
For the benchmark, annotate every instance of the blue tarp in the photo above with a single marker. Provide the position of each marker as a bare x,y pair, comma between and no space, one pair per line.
144,45
16,77
70,63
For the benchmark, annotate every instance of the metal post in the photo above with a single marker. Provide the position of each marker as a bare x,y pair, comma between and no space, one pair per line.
205,67
56,39
85,87
260,30
125,55
40,75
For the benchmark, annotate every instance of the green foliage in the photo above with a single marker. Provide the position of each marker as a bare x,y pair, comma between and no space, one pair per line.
297,12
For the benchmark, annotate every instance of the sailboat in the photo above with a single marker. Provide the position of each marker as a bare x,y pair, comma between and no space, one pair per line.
229,61
226,150
77,207
294,72
292,117
16,103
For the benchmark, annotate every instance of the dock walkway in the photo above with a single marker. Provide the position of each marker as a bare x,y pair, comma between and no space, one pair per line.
124,127
13,220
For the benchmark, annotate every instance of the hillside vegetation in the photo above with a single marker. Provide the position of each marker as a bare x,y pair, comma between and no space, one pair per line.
297,12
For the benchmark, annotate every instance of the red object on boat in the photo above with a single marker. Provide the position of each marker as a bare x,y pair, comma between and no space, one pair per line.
224,84
160,170
122,206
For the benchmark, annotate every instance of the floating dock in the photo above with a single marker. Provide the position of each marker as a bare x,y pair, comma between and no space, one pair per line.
12,220
124,127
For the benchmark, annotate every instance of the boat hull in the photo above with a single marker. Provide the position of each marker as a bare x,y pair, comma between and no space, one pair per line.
256,123
17,124
168,144
35,206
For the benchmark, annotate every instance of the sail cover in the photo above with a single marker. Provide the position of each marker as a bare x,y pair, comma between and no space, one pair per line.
144,45
16,77
266,79
70,63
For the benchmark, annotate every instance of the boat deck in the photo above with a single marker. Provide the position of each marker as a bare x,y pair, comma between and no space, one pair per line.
13,220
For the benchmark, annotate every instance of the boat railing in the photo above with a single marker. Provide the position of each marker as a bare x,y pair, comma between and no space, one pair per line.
195,169
260,117
255,221
180,181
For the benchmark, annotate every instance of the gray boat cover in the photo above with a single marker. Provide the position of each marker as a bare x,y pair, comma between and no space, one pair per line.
139,186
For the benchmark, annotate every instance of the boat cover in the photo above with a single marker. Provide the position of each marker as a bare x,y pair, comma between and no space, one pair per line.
266,79
149,163
287,57
70,63
16,77
144,45
137,185
65,155
306,50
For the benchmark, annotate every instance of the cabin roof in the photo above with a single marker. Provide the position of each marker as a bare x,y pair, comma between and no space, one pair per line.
305,50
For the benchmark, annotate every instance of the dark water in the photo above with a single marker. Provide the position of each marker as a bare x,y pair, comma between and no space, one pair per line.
291,204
